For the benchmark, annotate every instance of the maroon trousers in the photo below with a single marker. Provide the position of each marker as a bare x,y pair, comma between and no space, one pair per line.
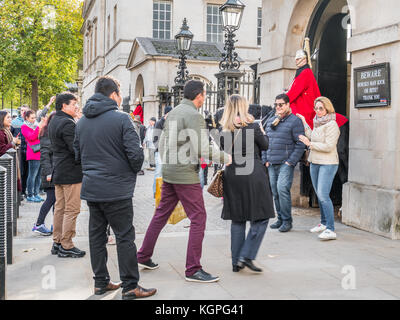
191,197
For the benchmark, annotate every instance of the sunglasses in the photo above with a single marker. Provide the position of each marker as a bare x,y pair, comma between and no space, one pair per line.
280,105
319,108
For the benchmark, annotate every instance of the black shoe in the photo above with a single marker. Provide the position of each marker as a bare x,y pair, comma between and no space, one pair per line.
286,227
237,268
276,225
71,253
149,264
243,262
55,248
140,173
202,276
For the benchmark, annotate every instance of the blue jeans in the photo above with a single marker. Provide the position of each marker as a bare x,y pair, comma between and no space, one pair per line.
34,180
243,247
157,172
201,177
281,180
322,178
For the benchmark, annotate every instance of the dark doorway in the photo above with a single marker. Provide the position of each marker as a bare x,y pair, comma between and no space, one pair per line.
332,63
329,37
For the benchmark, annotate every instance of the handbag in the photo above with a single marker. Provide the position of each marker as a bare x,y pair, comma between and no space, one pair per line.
216,187
35,147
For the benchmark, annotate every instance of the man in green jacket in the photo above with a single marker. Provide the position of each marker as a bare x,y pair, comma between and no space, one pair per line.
183,142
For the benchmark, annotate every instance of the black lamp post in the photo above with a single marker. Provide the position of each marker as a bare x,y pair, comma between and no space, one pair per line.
229,75
183,42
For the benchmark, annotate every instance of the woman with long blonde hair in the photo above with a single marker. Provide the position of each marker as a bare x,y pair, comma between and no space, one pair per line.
247,193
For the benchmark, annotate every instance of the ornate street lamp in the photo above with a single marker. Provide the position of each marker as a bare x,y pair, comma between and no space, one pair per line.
229,75
232,12
183,42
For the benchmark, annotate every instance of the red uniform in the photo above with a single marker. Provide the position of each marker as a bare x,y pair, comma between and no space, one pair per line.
302,95
138,112
341,120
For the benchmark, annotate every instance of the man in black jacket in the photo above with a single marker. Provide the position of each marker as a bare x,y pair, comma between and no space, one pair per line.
111,155
67,176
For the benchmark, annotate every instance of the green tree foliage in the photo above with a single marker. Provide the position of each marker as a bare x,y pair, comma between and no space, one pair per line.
40,46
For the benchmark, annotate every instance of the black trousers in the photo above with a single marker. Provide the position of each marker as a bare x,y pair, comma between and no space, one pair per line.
119,215
23,166
47,205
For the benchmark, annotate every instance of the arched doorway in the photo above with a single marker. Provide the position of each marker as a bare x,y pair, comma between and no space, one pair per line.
139,89
328,30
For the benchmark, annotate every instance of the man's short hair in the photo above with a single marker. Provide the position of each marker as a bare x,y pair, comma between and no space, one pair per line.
283,97
192,89
65,97
106,85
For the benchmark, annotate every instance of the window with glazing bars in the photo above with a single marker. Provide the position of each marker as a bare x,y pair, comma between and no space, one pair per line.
214,23
162,11
259,26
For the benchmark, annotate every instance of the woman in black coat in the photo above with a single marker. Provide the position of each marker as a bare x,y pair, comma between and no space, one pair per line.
247,192
46,164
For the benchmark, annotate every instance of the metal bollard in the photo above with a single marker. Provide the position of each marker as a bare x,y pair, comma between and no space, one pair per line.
3,231
6,162
13,154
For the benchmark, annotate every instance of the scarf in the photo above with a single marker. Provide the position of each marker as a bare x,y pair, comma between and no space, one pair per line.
319,122
8,135
33,126
279,118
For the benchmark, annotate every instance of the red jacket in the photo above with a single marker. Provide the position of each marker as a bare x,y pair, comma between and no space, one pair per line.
138,111
302,95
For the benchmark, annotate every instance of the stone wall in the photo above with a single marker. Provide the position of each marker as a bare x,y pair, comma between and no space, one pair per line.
371,197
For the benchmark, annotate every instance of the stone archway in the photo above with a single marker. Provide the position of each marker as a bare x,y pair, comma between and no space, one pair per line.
139,88
308,18
325,23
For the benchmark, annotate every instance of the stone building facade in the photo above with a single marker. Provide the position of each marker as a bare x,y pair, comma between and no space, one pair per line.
127,39
111,47
347,35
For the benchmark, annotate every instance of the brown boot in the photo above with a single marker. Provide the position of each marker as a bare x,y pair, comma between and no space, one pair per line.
138,293
110,287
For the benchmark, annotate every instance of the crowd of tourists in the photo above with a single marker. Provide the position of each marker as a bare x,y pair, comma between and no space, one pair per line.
96,155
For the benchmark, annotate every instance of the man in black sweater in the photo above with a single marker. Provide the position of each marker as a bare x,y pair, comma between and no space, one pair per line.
111,155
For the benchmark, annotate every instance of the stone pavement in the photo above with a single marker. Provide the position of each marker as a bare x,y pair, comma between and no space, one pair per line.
358,265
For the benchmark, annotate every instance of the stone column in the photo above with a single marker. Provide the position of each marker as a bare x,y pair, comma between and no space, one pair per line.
371,198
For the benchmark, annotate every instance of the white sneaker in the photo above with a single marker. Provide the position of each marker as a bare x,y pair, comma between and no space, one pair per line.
327,235
318,228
